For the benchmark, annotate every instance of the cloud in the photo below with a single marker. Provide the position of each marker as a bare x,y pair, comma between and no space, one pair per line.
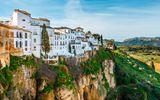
75,16
115,22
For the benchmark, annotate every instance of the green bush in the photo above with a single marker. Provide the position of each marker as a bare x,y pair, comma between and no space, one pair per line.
48,89
5,76
16,61
93,65
64,80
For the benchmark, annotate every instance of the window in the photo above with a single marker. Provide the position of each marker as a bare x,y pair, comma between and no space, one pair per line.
35,33
34,40
25,49
25,35
60,42
34,48
17,34
20,44
20,34
23,20
16,44
25,43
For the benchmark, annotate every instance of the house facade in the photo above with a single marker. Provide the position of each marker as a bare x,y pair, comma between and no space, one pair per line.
63,41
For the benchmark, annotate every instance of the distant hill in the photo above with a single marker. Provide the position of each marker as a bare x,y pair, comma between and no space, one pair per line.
141,41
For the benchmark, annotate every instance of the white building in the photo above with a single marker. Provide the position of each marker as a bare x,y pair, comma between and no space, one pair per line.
22,39
28,30
24,20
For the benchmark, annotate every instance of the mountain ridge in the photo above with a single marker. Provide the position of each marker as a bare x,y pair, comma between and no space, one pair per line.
140,41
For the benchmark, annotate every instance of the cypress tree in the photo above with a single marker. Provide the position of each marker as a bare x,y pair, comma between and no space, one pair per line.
45,40
101,40
69,47
152,64
74,52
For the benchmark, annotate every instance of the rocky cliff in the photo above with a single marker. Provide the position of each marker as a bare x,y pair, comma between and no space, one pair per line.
105,76
22,86
26,86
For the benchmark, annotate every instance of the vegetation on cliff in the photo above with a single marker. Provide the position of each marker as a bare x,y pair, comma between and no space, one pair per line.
93,65
134,79
6,73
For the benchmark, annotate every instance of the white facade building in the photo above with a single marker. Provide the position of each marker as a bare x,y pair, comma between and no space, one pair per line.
22,39
60,38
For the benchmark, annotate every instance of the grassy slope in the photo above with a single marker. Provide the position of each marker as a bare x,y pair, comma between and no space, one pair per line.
146,59
135,80
144,54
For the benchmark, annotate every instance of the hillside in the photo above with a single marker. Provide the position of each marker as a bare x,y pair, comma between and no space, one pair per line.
146,54
110,75
140,41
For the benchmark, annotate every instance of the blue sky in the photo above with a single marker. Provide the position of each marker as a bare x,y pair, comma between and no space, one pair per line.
117,19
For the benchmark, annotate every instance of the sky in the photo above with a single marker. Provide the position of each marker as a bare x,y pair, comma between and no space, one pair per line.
114,19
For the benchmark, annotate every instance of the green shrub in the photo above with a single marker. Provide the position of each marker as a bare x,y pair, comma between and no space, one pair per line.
16,61
93,65
48,89
5,76
64,80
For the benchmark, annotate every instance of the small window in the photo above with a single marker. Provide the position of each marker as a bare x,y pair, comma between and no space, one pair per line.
20,44
16,44
23,20
34,48
20,34
17,34
25,35
34,40
25,43
25,49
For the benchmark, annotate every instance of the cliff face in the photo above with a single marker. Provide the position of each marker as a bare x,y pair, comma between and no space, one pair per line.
88,87
22,86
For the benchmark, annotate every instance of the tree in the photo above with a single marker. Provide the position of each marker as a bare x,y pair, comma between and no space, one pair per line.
97,37
74,52
45,40
89,32
69,47
101,40
152,64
